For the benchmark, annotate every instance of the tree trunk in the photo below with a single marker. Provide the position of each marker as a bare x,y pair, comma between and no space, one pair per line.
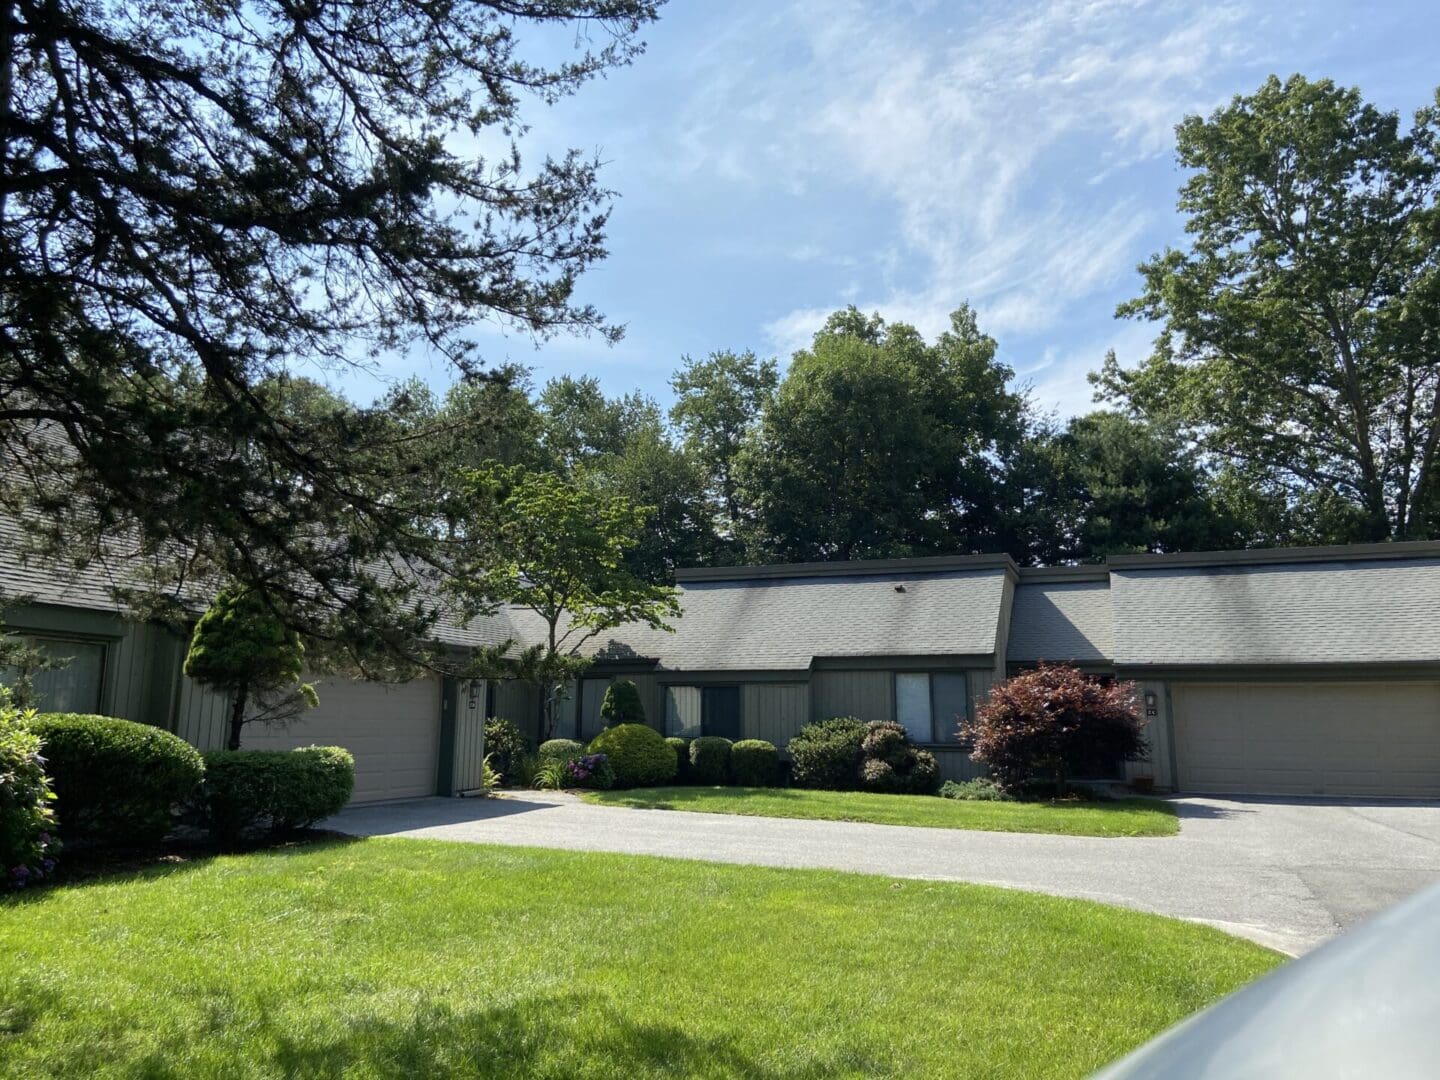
237,718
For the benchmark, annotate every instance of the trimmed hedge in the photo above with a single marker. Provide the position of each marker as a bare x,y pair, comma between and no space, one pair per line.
754,763
622,704
826,754
893,764
274,791
505,744
560,750
27,815
116,782
638,754
710,760
682,758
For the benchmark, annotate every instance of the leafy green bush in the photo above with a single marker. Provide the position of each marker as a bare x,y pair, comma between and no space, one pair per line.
710,760
116,782
622,704
560,750
826,754
894,765
489,778
638,754
754,763
982,789
273,791
27,816
506,744
682,758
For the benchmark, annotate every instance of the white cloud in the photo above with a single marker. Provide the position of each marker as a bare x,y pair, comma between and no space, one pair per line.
998,142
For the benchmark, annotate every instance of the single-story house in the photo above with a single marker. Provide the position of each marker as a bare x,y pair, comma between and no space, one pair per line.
1306,671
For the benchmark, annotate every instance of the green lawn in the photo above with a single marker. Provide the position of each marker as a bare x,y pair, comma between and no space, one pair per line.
1120,817
400,958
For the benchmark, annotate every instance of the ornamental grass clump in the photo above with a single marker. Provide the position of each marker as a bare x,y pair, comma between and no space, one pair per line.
1053,723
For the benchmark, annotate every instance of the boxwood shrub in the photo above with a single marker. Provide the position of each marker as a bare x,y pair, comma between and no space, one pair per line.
116,782
682,758
754,763
27,815
638,754
827,753
893,764
560,750
249,792
710,760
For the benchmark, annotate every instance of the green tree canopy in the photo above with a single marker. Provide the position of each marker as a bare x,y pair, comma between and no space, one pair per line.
1109,484
1301,325
556,546
718,402
242,647
879,444
199,200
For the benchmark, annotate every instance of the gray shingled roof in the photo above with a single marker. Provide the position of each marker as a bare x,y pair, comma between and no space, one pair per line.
779,623
1060,620
1369,611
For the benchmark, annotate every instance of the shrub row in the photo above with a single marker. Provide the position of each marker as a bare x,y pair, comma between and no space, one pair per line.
846,754
119,783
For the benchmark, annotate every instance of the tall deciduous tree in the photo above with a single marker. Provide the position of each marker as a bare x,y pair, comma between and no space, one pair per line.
197,198
1301,332
719,401
556,546
242,647
879,444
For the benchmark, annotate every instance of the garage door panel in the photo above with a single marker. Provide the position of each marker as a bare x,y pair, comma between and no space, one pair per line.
392,731
1320,738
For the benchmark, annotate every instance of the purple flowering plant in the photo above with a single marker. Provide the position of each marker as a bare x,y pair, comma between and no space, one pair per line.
591,770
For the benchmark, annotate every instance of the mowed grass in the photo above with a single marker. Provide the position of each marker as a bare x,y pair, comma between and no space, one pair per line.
404,958
1118,817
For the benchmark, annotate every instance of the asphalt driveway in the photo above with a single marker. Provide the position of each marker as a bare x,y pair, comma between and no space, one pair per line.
1287,873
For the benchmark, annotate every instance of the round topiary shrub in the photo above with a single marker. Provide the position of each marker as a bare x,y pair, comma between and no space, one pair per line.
505,744
638,754
622,704
560,750
827,753
27,816
682,758
248,792
710,760
116,782
754,763
893,765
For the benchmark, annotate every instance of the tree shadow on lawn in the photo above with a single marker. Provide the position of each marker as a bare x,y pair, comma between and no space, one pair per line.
529,1038
93,866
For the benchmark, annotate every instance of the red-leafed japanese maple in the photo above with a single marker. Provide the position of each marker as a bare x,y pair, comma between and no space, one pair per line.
1052,722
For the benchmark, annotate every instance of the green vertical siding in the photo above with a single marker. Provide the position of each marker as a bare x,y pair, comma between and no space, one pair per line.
467,753
955,764
1157,734
980,680
520,702
867,695
773,711
202,717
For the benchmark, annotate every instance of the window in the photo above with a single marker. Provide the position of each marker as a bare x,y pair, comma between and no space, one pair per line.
682,711
76,686
931,706
692,711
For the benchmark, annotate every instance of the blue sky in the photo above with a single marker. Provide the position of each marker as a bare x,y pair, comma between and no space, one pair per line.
776,160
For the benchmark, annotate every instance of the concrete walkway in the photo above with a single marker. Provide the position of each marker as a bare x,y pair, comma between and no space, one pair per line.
1286,873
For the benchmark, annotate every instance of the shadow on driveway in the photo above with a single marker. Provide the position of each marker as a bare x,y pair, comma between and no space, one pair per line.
384,819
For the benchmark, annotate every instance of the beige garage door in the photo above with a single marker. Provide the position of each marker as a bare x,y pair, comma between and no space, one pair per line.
393,731
1319,738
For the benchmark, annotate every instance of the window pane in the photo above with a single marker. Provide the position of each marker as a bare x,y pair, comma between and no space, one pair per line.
912,705
952,703
682,711
76,686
